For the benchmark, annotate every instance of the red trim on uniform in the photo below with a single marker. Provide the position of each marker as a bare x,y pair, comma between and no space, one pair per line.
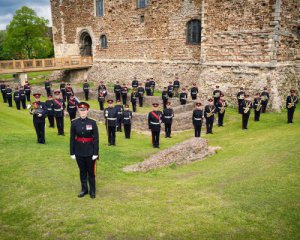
84,140
58,103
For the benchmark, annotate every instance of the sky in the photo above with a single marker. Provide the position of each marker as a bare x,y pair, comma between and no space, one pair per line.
8,8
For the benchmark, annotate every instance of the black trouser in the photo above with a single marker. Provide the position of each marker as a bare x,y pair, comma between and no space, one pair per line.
124,99
101,104
245,120
168,129
134,107
60,125
152,92
86,95
198,130
119,128
48,90
155,138
148,92
9,100
141,99
118,96
256,115
40,130
4,97
111,131
28,96
72,114
209,124
18,105
264,106
68,95
182,102
51,121
194,97
63,93
165,103
23,101
170,94
127,130
241,110
87,170
290,114
220,118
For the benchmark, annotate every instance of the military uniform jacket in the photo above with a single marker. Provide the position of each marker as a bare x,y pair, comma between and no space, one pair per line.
256,102
194,91
135,83
154,120
209,109
27,88
152,84
290,101
147,85
183,96
133,97
72,105
101,97
124,91
22,94
165,95
84,137
170,88
69,90
62,87
216,94
176,84
197,117
42,109
168,115
17,96
264,96
111,116
141,91
49,105
127,116
240,96
103,89
3,88
58,107
117,88
221,104
86,87
247,104
47,85
9,92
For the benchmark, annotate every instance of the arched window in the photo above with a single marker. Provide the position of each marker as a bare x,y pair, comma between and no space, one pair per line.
142,3
103,41
194,32
100,8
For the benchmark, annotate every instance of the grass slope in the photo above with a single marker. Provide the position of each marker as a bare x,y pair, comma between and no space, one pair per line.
249,190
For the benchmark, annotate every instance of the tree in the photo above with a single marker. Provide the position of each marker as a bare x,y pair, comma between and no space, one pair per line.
27,36
3,54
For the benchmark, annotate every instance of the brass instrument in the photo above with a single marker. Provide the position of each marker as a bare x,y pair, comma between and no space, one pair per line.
34,109
241,96
247,108
211,113
222,109
264,98
258,107
291,104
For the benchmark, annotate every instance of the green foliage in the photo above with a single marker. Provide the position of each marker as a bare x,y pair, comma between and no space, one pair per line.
3,55
26,36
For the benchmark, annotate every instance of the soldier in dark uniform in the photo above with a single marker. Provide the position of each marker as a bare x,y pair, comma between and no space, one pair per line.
167,119
39,111
133,99
194,91
59,107
102,87
9,93
62,88
27,89
257,106
84,147
49,105
170,89
291,102
127,118
119,109
3,91
198,119
240,97
86,90
17,98
165,97
48,87
72,107
216,94
221,106
135,83
111,118
154,121
264,99
22,97
209,114
246,106
141,92
124,92
69,91
183,97
117,91
101,99
176,86
152,86
148,87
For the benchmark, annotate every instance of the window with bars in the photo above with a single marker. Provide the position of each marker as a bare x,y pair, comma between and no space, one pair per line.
194,32
99,8
103,41
142,3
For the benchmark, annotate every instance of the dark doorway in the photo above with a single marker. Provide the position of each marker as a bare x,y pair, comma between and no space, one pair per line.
86,44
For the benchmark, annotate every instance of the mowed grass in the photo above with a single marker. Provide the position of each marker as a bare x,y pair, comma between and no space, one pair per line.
249,190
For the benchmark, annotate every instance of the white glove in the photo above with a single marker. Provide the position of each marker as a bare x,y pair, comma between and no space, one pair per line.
73,157
94,157
40,115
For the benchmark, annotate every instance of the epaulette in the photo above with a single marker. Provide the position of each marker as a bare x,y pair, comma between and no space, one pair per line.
75,119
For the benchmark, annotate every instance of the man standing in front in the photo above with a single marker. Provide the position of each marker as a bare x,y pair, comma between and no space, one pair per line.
154,121
84,147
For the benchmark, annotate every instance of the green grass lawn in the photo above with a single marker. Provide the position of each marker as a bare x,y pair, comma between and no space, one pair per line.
249,190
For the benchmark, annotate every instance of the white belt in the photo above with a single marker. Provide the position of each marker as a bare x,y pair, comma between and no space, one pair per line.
72,106
112,119
119,113
194,93
168,116
141,92
49,109
198,119
62,89
155,123
183,98
58,110
17,96
86,88
3,90
8,93
126,118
